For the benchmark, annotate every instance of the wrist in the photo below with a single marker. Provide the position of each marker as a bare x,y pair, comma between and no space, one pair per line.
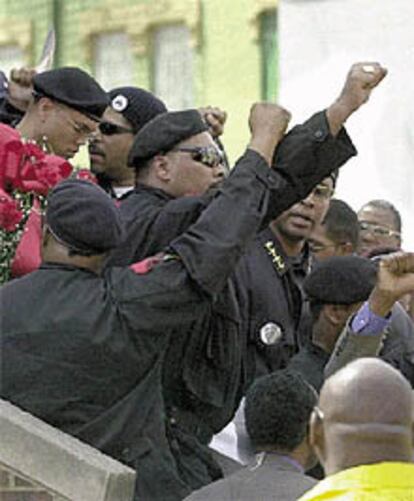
381,303
264,145
337,114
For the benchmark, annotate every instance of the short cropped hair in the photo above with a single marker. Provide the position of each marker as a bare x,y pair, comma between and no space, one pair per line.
277,411
386,206
341,223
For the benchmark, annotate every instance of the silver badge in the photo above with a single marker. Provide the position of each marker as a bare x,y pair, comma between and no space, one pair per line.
270,334
119,103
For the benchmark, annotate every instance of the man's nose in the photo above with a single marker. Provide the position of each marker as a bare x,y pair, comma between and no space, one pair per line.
219,170
309,200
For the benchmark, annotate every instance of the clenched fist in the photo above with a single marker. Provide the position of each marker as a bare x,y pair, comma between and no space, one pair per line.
268,123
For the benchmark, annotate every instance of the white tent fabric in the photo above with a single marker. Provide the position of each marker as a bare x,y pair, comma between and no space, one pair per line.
319,40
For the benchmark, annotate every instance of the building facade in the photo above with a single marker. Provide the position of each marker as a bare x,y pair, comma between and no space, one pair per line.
189,52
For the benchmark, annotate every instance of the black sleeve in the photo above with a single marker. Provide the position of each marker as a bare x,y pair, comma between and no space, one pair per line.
152,224
171,221
9,115
175,292
305,156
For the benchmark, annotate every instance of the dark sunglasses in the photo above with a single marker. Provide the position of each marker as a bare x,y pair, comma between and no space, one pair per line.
110,129
207,155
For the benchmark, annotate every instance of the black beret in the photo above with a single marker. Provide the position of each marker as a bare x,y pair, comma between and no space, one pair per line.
83,217
137,105
163,132
341,280
73,87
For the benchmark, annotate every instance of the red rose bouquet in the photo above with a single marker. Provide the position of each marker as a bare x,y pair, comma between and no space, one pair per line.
26,175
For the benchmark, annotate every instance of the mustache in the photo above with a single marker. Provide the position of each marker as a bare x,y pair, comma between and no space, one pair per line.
95,150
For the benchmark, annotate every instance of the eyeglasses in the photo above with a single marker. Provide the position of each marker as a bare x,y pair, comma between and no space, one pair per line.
322,192
377,230
81,129
206,155
110,129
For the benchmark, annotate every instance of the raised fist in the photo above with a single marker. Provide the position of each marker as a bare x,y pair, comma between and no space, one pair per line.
269,119
215,118
395,279
20,87
362,78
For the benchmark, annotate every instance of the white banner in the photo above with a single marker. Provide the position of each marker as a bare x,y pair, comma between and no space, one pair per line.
318,41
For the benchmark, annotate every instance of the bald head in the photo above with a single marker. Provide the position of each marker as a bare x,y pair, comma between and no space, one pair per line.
367,416
367,391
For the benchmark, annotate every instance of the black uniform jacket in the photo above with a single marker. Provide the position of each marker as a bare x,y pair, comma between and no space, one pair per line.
83,352
271,303
9,114
202,379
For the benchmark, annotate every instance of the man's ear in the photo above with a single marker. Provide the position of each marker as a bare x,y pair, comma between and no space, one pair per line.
45,107
162,168
317,435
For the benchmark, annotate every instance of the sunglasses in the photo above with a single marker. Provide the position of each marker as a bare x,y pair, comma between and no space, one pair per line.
377,230
110,129
206,155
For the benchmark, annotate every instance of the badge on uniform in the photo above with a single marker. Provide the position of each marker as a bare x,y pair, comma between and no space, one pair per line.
119,103
271,334
277,259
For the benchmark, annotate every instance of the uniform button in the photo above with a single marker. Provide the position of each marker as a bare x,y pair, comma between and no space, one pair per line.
319,134
271,180
173,421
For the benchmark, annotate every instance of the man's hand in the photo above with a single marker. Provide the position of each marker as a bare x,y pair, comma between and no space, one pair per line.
268,123
215,118
362,78
395,279
20,87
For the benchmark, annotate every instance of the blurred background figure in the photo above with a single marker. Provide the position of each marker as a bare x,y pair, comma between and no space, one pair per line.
338,233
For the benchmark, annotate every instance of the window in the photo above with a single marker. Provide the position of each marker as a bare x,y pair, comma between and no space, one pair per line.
268,47
113,61
11,57
173,66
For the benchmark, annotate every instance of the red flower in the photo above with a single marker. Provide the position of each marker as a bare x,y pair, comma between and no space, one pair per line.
10,213
25,167
86,175
43,175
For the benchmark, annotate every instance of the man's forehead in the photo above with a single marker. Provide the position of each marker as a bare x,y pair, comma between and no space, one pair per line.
319,234
376,215
79,117
115,117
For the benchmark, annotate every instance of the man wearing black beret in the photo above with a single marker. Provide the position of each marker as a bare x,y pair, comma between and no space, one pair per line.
86,355
336,289
65,109
174,158
130,109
